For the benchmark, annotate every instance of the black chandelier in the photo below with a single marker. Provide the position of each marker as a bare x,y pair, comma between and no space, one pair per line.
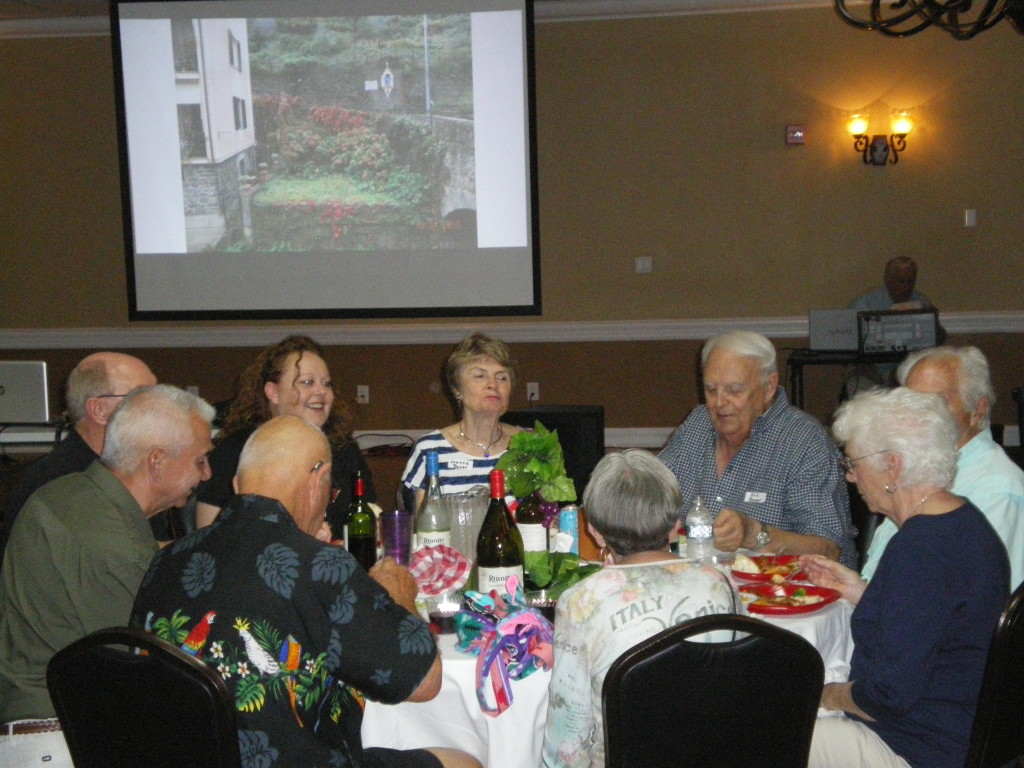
963,19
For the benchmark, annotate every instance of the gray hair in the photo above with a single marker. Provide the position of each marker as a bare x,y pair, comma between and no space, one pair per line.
915,426
90,378
745,344
153,417
975,381
633,501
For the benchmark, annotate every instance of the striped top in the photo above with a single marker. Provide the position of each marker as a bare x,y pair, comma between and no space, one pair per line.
459,471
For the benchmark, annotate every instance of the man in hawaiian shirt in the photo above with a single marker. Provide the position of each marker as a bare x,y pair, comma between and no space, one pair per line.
297,629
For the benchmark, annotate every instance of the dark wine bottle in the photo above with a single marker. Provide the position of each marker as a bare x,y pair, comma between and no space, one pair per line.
361,526
499,547
530,522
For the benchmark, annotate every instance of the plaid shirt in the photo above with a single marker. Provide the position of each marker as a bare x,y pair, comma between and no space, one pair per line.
786,474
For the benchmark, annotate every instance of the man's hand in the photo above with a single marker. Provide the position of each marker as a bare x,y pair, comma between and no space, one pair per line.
731,530
397,582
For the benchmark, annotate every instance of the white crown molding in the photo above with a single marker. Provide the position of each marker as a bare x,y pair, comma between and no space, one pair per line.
449,333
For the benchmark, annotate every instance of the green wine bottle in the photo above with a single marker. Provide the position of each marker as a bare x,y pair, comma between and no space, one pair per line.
361,526
499,547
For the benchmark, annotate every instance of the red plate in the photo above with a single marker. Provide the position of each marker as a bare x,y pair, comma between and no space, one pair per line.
778,590
767,561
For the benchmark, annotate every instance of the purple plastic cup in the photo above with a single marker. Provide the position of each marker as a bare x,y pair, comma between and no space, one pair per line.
396,534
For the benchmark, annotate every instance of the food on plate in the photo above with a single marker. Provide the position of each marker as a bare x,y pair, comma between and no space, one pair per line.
781,599
777,569
745,564
786,599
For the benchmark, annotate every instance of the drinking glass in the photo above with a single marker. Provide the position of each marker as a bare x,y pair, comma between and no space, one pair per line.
396,534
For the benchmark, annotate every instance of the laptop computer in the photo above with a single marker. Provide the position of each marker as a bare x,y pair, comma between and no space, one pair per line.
832,330
898,331
24,398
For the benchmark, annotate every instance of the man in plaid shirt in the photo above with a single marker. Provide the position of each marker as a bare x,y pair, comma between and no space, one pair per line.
768,471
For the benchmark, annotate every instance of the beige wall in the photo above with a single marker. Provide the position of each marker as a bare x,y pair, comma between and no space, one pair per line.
659,137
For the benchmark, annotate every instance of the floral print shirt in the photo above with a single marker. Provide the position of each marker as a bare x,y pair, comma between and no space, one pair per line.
295,627
599,619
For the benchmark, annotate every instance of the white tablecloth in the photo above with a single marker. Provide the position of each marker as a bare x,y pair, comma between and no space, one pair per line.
514,738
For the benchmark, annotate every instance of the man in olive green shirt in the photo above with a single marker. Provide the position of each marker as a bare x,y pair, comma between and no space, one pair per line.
79,549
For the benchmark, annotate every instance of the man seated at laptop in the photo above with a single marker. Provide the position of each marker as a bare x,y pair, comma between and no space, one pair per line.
897,293
94,388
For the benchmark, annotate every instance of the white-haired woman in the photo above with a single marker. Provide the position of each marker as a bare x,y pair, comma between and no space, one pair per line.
922,626
632,503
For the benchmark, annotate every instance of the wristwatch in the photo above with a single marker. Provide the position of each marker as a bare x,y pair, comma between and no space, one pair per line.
763,537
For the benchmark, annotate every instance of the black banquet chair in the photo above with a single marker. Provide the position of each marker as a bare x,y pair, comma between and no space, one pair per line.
997,737
160,708
749,702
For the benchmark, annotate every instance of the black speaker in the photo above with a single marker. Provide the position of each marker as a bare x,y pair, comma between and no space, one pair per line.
580,433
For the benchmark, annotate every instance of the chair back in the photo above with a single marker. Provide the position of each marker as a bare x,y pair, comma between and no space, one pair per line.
749,702
997,737
160,708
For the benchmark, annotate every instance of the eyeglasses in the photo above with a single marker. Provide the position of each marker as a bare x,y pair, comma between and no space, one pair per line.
850,465
124,395
335,492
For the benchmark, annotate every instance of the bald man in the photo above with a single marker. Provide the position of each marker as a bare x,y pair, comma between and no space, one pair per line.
294,625
94,388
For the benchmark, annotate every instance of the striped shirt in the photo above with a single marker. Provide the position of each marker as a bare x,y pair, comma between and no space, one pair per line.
458,471
786,474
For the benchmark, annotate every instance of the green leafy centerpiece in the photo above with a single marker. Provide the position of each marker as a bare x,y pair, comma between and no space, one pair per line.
534,468
534,464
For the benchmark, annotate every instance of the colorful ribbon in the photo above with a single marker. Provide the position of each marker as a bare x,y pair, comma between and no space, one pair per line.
510,639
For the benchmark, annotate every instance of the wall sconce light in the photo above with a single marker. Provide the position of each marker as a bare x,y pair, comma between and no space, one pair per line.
880,148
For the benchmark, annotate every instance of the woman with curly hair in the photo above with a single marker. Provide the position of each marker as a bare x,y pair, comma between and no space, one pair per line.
290,377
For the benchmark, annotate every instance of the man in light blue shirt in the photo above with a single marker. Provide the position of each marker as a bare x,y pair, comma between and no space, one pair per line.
896,294
898,291
984,473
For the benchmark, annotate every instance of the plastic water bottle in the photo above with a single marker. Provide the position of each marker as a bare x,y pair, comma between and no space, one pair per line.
700,535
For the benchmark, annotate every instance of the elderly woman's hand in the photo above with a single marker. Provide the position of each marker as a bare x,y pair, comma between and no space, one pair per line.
828,573
730,530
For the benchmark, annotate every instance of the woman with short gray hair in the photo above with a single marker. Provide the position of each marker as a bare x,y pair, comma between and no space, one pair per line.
922,626
632,506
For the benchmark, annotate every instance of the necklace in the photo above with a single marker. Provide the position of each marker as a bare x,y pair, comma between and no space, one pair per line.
485,448
921,503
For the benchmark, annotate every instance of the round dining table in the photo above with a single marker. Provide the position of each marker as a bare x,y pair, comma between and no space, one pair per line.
514,738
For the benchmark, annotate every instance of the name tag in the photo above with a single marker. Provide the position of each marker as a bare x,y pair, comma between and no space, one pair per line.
460,464
755,497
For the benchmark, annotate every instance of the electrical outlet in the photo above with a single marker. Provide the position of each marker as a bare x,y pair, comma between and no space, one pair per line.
362,394
532,392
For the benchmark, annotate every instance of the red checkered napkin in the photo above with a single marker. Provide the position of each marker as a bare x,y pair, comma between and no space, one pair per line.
439,569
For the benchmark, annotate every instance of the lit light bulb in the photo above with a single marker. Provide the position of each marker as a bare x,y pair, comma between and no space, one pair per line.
902,123
857,125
